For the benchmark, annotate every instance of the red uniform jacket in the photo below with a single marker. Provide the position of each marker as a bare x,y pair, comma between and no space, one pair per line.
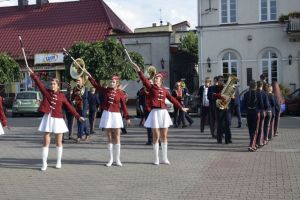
157,94
53,101
2,115
112,98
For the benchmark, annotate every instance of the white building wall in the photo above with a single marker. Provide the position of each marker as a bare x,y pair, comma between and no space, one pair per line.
218,39
153,49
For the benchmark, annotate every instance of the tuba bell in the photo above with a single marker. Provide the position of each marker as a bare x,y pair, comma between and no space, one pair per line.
78,71
228,91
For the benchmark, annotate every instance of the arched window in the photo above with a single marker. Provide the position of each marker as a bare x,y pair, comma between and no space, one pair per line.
269,66
229,64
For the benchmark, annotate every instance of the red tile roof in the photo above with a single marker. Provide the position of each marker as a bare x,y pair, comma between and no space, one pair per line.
56,25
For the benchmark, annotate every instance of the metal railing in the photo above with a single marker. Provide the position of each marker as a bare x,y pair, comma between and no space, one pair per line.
293,25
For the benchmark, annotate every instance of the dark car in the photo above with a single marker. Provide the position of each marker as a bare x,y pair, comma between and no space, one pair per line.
293,102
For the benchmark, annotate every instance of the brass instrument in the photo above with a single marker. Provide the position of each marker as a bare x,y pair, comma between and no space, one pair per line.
78,71
151,71
228,91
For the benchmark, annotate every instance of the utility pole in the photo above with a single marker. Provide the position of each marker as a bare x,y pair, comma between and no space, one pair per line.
200,50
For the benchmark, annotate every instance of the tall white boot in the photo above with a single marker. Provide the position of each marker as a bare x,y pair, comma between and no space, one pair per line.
164,147
117,154
110,151
59,151
156,149
45,152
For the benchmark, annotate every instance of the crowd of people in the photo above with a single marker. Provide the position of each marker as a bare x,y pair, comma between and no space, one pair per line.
262,102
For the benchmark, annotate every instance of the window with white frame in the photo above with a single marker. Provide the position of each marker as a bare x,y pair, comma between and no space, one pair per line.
229,64
228,11
268,10
269,66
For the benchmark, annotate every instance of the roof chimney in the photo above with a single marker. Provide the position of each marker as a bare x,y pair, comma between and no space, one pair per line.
22,3
153,24
39,3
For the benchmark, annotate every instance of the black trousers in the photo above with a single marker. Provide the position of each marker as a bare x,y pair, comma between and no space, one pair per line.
204,114
223,118
92,119
70,120
252,124
213,122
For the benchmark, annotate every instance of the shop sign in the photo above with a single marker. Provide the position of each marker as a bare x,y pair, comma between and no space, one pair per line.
46,58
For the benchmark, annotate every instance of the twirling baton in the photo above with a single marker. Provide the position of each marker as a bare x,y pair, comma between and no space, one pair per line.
127,54
23,51
78,65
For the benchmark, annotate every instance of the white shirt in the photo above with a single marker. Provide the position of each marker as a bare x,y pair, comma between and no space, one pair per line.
205,101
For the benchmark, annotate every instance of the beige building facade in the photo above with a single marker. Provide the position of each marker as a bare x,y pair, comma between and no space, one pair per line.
245,38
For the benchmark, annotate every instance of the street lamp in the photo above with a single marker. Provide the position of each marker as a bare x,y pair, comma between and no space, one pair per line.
162,63
290,57
208,64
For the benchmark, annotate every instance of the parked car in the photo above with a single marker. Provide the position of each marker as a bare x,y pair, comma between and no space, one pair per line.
26,102
293,102
194,104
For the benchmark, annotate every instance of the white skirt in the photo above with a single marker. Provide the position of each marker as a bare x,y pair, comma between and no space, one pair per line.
158,118
1,129
53,125
111,120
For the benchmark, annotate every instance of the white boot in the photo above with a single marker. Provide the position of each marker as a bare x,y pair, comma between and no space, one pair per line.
110,151
45,156
164,147
59,151
117,154
156,149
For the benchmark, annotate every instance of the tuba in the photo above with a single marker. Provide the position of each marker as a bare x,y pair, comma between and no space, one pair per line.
228,91
151,71
78,71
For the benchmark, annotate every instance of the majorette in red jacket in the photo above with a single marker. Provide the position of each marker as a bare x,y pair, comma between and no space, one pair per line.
112,98
53,101
2,115
157,94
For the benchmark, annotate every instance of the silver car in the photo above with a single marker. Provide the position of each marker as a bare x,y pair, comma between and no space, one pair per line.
26,102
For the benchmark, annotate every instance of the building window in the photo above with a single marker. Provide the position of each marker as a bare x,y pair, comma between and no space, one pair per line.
268,10
228,11
229,64
269,66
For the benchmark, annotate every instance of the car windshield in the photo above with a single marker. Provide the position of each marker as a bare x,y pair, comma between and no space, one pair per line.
27,95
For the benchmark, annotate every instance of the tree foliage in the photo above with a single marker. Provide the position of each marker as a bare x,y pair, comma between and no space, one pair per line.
104,59
189,45
9,69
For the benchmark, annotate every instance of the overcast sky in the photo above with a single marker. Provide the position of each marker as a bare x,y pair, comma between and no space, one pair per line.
142,13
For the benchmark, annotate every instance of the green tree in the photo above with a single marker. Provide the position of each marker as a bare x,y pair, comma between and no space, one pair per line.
104,59
189,45
9,69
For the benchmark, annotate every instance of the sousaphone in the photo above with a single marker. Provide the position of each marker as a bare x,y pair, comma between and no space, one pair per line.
77,69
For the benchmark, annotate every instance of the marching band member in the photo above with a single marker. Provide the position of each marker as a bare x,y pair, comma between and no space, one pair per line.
80,99
52,122
272,100
279,100
111,118
251,104
223,115
159,119
3,118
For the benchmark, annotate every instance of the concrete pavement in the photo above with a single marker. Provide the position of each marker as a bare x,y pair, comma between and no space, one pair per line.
200,168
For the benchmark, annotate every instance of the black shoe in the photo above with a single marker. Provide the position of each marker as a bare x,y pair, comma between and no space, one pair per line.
230,141
92,132
191,124
183,126
202,131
